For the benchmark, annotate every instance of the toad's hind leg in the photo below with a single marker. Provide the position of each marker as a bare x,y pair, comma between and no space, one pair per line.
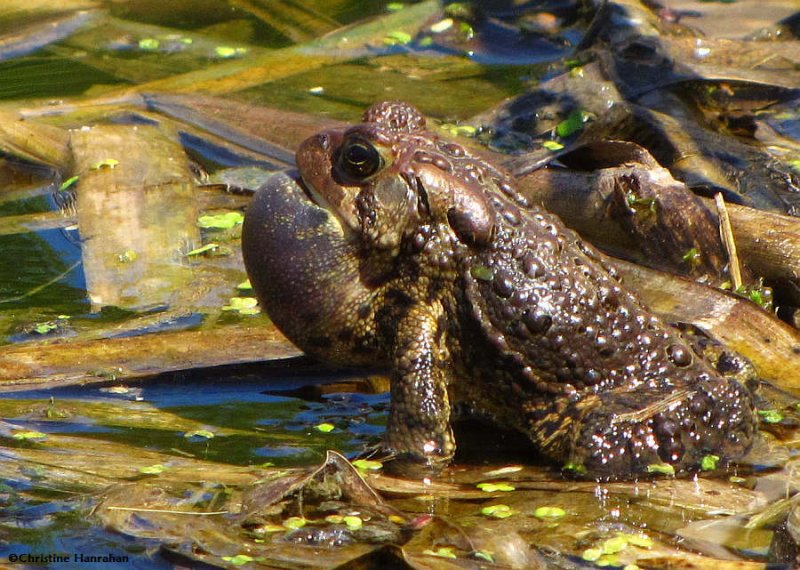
624,433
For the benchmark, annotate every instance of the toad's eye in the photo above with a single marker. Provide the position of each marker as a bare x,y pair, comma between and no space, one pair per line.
358,159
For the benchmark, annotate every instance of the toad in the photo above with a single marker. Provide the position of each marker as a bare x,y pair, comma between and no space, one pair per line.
399,248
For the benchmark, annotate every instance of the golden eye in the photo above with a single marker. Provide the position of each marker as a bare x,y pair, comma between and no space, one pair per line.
358,159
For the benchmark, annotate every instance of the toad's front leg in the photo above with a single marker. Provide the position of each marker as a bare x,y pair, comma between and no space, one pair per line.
418,431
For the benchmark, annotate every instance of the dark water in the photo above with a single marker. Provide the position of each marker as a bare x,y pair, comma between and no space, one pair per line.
277,430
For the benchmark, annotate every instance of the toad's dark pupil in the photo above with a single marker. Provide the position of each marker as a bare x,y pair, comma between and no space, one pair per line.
360,159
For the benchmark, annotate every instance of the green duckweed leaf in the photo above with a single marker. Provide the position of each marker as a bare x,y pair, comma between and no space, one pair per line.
204,433
442,552
497,511
107,163
44,328
771,416
572,124
549,513
576,468
353,522
149,44
25,435
127,256
239,559
481,272
495,487
552,145
269,527
367,465
293,523
220,221
397,37
608,560
592,554
459,130
615,544
227,52
242,305
640,540
661,468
